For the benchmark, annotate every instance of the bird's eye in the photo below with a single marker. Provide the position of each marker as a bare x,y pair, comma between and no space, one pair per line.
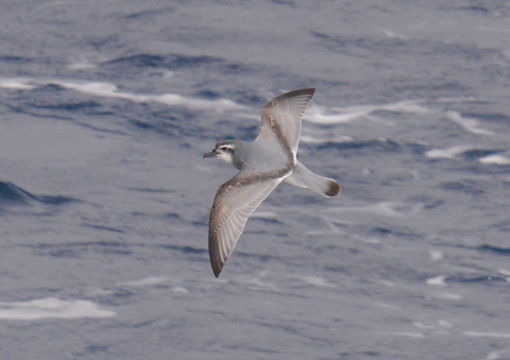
223,148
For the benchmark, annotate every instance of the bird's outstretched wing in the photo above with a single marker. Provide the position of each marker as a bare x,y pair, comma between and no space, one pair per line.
234,202
281,117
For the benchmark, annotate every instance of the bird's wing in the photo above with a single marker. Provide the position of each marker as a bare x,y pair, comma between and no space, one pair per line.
234,202
281,117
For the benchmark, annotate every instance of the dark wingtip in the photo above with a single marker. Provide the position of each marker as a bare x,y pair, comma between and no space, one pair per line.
216,271
216,264
334,188
305,91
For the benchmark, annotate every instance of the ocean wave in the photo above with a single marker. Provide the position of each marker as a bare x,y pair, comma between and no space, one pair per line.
436,281
505,273
485,156
467,186
435,255
148,281
109,90
256,282
172,61
469,124
13,194
478,279
496,159
82,65
448,153
484,334
77,249
495,249
185,249
382,144
332,116
52,308
16,84
384,208
317,281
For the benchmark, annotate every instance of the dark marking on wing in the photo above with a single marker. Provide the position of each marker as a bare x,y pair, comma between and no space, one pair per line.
334,188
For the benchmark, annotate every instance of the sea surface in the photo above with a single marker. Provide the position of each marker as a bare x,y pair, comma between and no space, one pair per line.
106,108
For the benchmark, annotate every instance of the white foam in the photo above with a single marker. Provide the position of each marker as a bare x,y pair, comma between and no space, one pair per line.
255,281
104,89
387,306
437,281
495,159
410,334
16,84
369,240
387,283
505,273
317,281
167,74
469,124
93,291
51,308
180,290
312,140
481,334
435,255
392,34
445,323
384,208
452,152
494,355
438,326
406,106
84,65
321,115
448,153
448,296
421,325
148,281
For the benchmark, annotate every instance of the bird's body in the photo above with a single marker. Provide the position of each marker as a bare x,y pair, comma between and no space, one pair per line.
263,164
254,156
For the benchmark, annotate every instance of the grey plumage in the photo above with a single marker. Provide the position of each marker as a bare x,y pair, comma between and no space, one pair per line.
263,164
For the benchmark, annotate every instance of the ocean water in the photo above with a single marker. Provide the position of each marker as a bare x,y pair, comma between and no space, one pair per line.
107,106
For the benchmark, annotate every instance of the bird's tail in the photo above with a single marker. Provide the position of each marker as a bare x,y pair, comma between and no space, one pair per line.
304,178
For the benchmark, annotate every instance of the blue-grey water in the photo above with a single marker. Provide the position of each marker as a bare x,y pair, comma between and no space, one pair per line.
107,106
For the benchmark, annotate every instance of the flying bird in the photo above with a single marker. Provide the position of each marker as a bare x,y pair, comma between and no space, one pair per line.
263,164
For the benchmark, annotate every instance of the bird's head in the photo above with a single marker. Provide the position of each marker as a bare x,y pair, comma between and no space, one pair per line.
223,150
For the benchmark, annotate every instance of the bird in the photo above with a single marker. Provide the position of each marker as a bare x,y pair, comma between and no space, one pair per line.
263,164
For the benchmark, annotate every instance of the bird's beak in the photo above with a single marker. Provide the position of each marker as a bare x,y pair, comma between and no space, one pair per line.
213,153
